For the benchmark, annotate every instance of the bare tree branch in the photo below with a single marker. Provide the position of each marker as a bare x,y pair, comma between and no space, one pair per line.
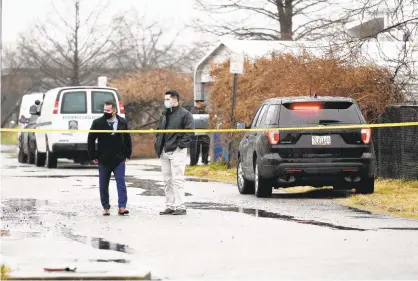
282,14
69,50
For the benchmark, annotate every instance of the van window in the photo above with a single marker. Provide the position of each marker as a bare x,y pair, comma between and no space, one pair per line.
74,102
98,99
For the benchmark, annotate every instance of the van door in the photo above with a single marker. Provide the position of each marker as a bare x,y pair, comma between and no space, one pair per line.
71,113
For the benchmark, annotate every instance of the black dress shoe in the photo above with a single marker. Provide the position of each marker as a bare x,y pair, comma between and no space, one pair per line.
180,212
167,211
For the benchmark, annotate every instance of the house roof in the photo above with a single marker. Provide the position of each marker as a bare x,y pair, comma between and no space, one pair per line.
385,53
253,49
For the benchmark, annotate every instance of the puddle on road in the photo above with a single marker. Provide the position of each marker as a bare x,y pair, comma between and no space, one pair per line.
99,243
152,169
400,228
22,212
151,187
265,214
364,212
111,260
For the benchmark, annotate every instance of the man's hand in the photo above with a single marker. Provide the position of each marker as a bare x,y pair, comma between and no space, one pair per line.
126,159
95,161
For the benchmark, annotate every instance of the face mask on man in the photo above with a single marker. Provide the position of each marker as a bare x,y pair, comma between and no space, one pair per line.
167,104
108,115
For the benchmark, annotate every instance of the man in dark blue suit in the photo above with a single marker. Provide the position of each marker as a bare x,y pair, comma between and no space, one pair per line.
114,150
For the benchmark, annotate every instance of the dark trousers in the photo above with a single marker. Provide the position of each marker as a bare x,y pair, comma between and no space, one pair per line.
198,143
104,178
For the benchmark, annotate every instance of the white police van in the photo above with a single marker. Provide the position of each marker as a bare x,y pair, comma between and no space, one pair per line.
70,108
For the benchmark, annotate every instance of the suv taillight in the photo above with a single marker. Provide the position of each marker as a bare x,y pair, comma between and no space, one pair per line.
366,135
55,111
121,107
273,136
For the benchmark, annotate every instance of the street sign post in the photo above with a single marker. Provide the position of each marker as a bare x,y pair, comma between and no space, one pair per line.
102,81
236,67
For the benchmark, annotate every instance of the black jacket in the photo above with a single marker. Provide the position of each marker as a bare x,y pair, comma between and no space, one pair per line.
112,149
171,119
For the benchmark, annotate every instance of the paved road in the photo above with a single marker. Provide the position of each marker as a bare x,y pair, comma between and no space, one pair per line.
224,236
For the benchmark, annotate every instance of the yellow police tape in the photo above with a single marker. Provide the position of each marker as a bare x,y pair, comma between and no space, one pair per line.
154,131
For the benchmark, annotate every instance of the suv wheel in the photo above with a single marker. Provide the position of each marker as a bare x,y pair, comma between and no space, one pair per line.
244,186
263,187
39,158
51,159
365,186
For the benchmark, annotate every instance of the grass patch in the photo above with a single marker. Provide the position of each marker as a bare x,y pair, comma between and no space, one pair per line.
395,197
8,137
5,272
213,171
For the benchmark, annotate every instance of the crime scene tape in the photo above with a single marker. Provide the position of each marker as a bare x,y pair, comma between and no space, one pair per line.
155,131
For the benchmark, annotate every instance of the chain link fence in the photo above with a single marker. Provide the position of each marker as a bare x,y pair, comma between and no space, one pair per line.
397,147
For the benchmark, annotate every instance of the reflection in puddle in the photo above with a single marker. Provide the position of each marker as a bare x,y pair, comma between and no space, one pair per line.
265,214
98,243
111,260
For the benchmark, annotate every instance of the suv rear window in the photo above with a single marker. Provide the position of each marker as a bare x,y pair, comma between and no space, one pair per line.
98,99
315,113
74,102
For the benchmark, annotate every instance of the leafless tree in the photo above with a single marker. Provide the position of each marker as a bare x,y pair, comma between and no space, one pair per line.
70,50
142,44
269,19
16,81
391,26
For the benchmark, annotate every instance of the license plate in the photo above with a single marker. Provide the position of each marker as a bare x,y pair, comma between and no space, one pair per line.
321,140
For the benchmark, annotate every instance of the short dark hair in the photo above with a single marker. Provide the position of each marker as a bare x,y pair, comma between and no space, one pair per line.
111,102
173,94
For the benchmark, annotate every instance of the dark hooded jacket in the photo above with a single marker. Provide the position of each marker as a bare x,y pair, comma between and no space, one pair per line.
171,119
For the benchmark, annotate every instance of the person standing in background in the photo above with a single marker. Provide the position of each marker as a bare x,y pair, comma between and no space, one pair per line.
199,142
114,150
171,148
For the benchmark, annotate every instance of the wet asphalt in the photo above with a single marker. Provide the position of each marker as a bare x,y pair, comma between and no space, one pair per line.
225,235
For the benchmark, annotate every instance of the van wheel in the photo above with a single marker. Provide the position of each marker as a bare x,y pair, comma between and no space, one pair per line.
21,156
39,158
244,186
31,156
51,159
263,188
366,186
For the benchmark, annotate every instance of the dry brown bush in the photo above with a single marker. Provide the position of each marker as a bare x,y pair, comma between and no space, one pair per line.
146,86
281,75
143,95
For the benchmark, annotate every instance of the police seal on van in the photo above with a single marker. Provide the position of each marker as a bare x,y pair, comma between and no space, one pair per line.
72,109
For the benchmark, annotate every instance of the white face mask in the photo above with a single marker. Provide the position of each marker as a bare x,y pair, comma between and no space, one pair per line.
167,104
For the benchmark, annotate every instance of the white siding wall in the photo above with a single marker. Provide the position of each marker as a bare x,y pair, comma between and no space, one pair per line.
203,72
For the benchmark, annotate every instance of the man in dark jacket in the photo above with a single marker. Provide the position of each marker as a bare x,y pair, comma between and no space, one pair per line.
114,149
199,141
171,148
